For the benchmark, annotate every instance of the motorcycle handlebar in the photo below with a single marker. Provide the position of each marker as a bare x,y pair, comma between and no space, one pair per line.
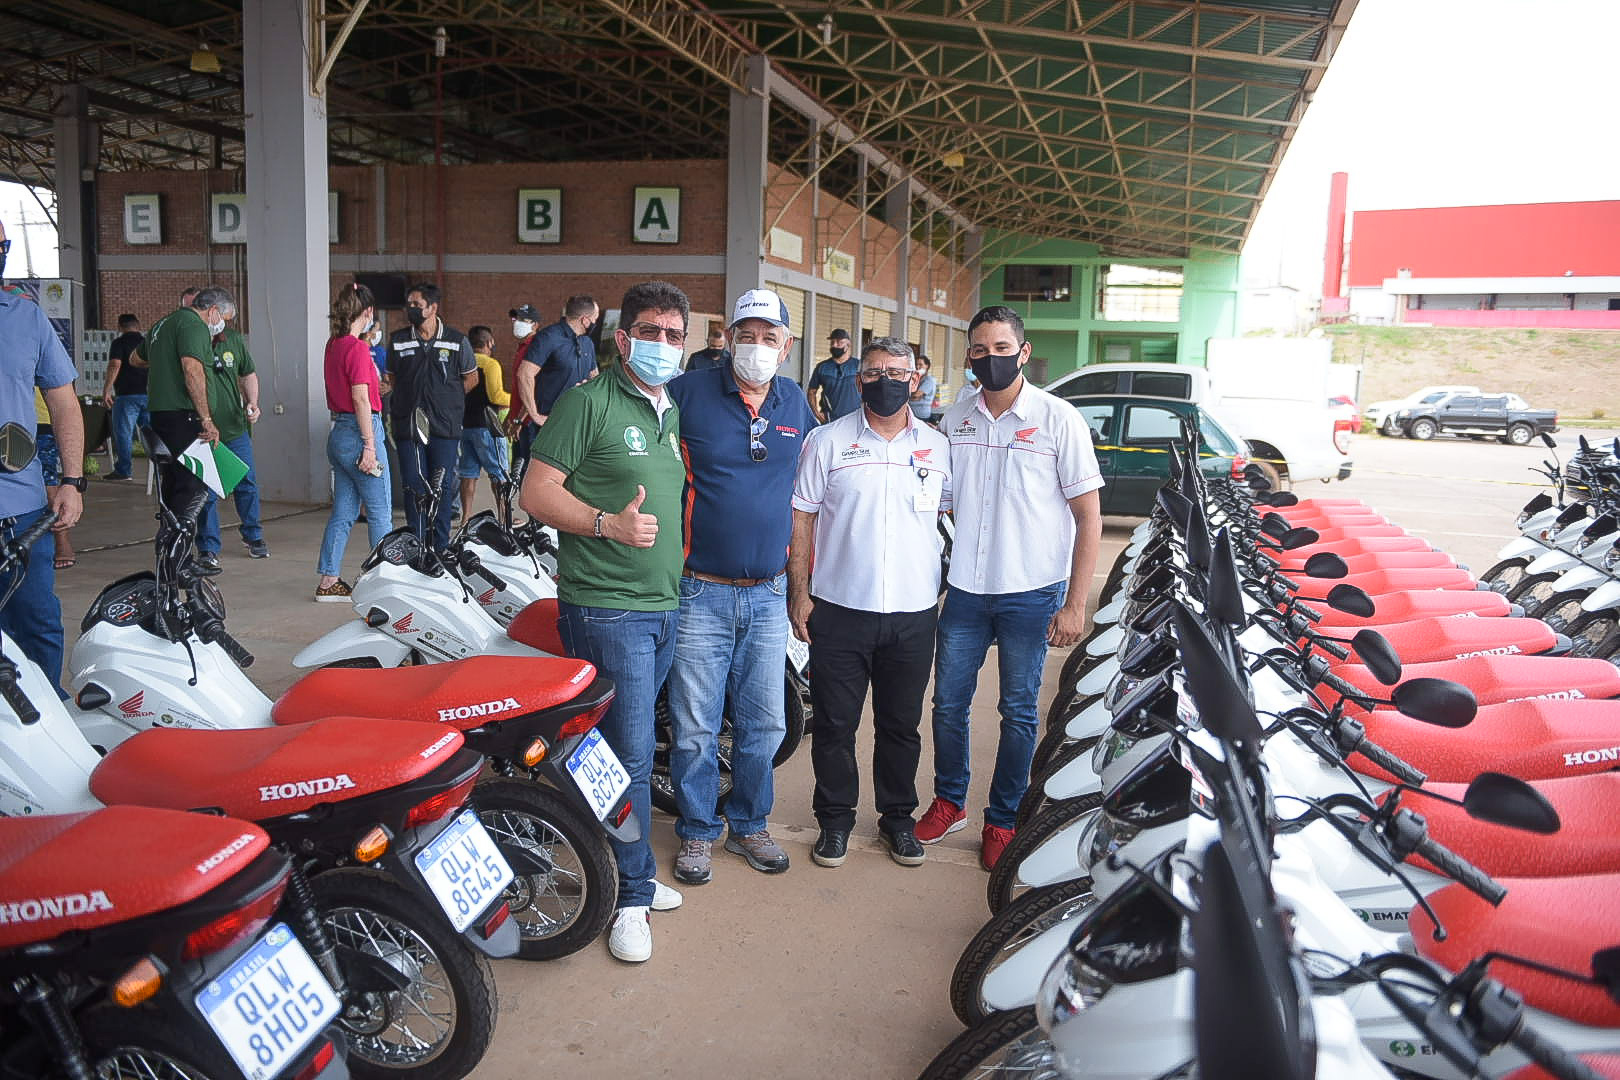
38,529
213,632
1459,869
1391,764
14,696
1555,1059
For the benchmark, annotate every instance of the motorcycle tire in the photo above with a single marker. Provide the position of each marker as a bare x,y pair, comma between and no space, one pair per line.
1011,1042
1030,915
1560,609
1074,665
558,913
1035,800
390,1033
1505,575
1003,887
1532,590
1588,633
1056,739
148,1042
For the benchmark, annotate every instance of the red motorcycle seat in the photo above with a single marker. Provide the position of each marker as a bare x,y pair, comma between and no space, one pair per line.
1336,518
467,693
1423,641
1330,533
1605,1065
1560,922
1533,740
1586,841
1416,559
67,872
1357,546
1405,606
536,627
1393,580
1496,679
259,773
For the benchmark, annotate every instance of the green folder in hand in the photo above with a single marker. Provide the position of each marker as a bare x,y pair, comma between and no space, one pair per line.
215,466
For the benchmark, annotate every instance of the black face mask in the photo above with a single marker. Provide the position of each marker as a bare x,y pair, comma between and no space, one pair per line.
996,372
886,396
838,350
416,315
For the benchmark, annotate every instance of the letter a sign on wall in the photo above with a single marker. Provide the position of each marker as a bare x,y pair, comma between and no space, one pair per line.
658,215
227,223
539,215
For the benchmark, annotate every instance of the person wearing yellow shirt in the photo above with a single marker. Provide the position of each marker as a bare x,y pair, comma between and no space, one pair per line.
481,449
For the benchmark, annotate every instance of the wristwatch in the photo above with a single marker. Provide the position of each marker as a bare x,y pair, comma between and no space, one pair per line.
75,482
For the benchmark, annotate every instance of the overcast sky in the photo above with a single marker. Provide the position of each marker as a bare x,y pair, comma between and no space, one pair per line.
1448,103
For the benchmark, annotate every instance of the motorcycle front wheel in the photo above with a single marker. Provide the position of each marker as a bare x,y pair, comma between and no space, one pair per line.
1004,887
1003,1044
436,1028
1026,918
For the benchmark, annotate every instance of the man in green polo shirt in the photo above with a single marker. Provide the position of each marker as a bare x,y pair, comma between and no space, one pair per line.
179,352
233,402
608,474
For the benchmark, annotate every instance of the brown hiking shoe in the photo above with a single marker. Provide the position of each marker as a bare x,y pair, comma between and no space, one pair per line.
762,853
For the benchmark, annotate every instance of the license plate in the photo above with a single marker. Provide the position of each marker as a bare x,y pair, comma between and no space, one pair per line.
464,869
596,769
269,1005
798,652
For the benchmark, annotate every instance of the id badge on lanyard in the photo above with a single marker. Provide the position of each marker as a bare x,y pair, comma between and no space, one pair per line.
930,482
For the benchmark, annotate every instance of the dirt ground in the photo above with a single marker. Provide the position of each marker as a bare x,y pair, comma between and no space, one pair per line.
1576,372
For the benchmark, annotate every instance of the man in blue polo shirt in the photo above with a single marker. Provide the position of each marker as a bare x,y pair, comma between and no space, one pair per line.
833,389
741,430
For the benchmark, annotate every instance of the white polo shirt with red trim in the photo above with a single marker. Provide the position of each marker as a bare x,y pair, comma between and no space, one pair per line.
1013,477
877,504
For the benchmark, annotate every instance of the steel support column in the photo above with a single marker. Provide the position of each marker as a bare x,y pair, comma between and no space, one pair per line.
897,213
75,156
745,182
287,251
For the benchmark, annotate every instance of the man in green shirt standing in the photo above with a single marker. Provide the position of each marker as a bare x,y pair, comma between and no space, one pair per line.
608,474
233,402
179,353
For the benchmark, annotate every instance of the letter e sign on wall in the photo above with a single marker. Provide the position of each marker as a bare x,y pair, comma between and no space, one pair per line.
143,222
658,216
539,215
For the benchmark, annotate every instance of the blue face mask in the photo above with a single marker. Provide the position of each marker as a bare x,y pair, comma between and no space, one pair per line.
654,362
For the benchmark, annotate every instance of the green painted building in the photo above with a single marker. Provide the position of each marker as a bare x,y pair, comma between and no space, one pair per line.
1081,307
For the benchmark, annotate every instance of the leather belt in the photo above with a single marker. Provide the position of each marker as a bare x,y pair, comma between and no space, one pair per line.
736,582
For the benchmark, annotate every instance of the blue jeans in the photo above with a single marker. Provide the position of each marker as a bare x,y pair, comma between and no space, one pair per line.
246,495
439,454
969,622
481,450
634,649
128,412
732,643
351,488
33,617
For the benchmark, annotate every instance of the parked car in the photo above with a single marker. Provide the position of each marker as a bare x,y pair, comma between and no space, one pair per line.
1132,437
1498,416
1381,414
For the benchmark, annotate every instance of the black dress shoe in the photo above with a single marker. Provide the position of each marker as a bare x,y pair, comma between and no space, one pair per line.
904,847
831,847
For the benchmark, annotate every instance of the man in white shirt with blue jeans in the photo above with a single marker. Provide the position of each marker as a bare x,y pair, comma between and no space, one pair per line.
1028,527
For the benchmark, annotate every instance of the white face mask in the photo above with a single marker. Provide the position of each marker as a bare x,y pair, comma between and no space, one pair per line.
755,363
216,328
522,328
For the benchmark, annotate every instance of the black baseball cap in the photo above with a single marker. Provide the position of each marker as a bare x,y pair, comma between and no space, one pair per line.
836,334
526,312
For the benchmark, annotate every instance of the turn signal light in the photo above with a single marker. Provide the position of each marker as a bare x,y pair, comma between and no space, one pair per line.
583,722
372,846
535,754
138,983
624,812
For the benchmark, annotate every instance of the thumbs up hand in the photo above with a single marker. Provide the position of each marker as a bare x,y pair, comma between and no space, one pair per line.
630,526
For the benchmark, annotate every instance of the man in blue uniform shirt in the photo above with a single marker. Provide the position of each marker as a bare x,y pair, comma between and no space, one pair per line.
833,389
742,427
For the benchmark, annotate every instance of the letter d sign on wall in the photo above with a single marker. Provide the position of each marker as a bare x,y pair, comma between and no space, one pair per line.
143,223
227,219
658,215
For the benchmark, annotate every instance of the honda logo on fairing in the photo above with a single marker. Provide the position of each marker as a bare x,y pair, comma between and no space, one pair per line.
224,853
1593,757
440,745
1501,650
324,785
54,907
131,706
464,712
403,625
487,597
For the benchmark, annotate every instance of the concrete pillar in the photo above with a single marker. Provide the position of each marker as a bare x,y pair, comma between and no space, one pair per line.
897,212
75,154
288,286
745,182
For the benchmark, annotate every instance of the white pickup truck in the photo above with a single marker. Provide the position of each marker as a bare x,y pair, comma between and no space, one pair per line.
1274,392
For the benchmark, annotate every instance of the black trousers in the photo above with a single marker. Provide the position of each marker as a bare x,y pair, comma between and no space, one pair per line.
849,652
178,487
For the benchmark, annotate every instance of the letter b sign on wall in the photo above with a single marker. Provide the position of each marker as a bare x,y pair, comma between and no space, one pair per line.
539,215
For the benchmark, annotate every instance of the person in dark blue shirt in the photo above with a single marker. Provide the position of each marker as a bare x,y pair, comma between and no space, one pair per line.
716,355
556,359
742,426
834,390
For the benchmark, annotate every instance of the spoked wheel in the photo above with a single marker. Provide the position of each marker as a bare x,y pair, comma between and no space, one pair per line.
1532,590
145,1044
1588,633
1560,610
1000,939
1005,1044
1004,886
1505,576
439,1023
563,909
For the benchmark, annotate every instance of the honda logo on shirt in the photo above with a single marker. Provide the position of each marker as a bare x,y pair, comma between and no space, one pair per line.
1026,435
922,455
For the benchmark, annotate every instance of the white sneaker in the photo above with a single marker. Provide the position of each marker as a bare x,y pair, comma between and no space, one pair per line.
630,939
664,897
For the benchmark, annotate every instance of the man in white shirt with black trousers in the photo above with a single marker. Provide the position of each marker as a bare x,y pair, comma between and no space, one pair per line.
866,503
1028,527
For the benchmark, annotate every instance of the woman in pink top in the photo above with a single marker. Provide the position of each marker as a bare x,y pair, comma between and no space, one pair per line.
359,467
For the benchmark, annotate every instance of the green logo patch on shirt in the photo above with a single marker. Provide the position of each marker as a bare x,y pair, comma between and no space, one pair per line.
635,440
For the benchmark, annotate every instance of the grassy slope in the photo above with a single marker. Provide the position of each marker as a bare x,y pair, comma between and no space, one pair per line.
1574,371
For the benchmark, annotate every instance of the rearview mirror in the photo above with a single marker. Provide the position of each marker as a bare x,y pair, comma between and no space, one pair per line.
1274,525
1440,702
1507,800
1325,564
17,447
1282,498
1548,441
157,451
1352,600
1294,539
1373,650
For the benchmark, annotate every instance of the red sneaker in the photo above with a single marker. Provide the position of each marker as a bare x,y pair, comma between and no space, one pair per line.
993,843
943,817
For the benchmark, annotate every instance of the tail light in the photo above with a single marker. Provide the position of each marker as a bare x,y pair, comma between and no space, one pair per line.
1240,463
496,920
1342,431
624,812
323,1058
225,931
579,725
445,802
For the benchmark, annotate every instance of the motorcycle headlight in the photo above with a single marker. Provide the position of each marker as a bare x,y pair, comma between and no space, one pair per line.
1611,561
1113,746
1119,688
1109,836
1070,987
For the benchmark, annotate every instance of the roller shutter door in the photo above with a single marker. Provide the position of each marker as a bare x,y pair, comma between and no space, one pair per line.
830,315
914,331
937,347
878,321
796,367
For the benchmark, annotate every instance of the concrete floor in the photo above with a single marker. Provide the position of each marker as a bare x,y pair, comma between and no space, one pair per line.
807,974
